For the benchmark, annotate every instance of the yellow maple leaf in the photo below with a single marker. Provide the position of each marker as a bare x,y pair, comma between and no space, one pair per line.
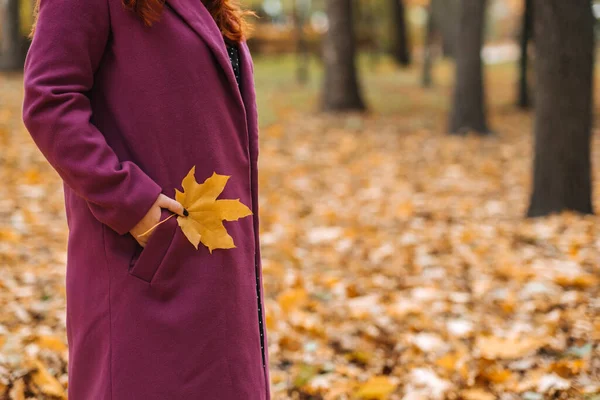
377,387
204,222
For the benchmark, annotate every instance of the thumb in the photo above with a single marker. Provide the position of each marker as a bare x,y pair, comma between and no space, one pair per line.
173,205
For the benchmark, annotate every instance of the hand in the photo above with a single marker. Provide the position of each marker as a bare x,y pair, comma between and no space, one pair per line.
152,217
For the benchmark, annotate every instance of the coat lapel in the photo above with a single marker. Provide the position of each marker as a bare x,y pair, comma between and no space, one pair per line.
200,21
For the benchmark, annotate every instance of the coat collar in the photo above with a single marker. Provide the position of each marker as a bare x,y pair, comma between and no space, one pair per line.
198,18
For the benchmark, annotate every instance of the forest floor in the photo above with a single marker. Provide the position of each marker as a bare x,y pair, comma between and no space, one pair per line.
397,261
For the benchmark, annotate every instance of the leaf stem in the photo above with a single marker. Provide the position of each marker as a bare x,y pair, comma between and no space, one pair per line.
155,225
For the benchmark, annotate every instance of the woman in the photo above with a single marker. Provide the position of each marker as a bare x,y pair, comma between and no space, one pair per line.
123,98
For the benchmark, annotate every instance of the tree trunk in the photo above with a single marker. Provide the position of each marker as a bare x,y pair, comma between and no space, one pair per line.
427,79
11,45
469,109
564,67
400,36
446,17
524,101
341,91
370,19
301,45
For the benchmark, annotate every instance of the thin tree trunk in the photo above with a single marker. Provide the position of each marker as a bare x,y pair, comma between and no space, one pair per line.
524,100
301,45
427,79
400,35
11,45
341,90
564,67
370,19
469,109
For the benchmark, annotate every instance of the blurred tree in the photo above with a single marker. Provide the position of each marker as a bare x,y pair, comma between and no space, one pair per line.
11,45
469,109
427,80
400,38
341,90
526,35
299,16
446,15
564,67
372,41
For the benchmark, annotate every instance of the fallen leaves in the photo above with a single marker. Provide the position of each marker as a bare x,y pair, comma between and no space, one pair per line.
44,383
376,388
493,348
423,269
292,299
396,261
476,394
206,214
17,392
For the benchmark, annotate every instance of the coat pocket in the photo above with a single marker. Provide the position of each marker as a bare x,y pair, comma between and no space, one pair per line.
146,261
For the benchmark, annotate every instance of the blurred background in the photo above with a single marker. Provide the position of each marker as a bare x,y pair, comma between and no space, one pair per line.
428,176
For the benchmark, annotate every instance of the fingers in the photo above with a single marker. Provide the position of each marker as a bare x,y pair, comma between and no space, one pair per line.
172,205
141,239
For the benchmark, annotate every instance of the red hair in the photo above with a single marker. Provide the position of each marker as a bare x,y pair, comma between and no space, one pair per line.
228,15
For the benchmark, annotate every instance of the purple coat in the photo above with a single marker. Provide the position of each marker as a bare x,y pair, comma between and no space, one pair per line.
122,112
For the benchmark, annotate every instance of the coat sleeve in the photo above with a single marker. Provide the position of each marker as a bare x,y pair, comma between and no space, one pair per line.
67,47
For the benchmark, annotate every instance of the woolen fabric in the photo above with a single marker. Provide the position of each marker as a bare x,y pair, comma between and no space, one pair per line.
122,112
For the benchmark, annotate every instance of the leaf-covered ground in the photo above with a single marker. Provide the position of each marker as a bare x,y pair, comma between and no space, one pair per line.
397,261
